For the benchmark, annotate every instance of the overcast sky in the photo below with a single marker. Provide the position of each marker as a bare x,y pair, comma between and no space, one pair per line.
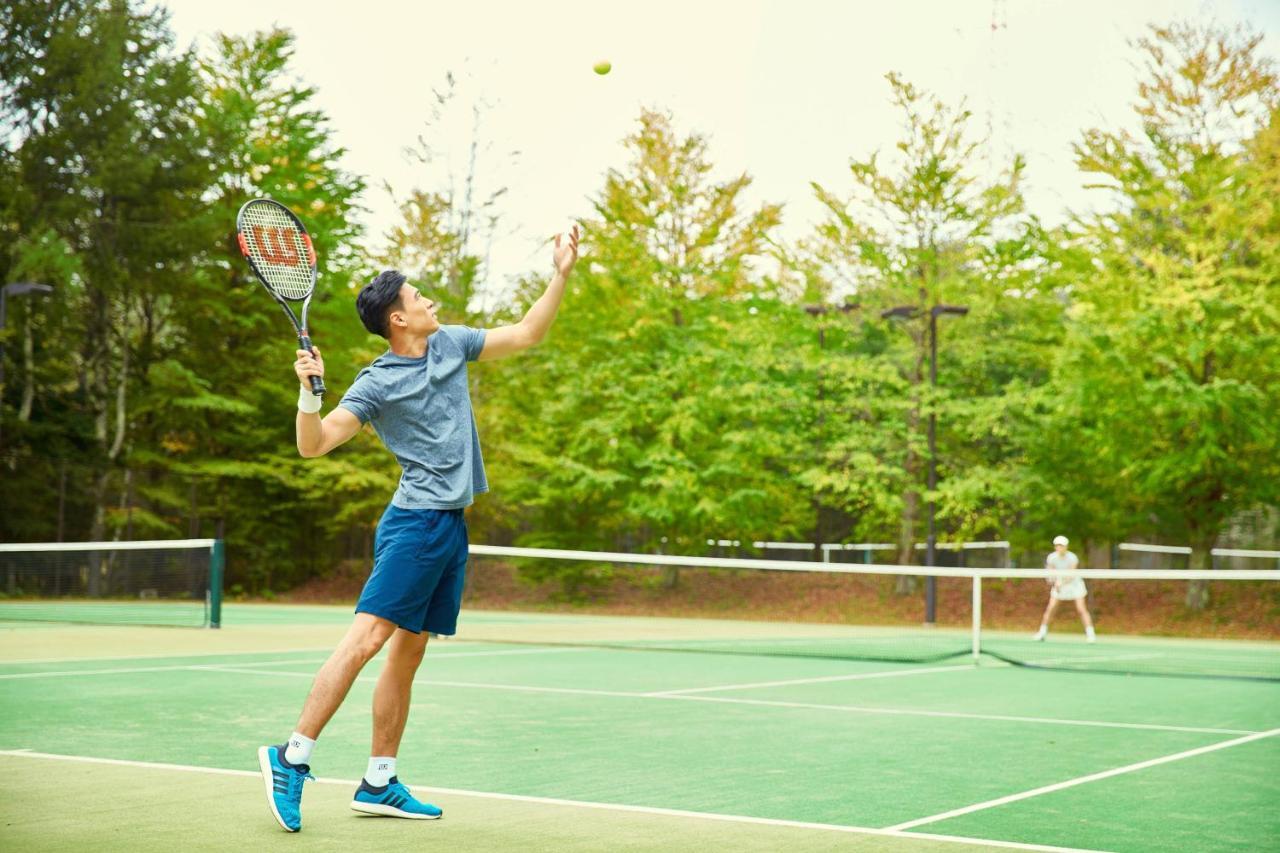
786,91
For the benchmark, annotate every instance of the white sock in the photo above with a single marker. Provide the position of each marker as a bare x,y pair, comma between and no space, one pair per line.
1044,629
381,769
1088,631
299,749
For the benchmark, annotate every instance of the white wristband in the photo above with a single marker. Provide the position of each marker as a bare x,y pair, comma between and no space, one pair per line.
308,403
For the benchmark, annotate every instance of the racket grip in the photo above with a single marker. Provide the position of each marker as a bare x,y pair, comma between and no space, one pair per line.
317,384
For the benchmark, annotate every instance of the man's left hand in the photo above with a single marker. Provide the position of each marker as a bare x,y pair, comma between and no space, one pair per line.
566,252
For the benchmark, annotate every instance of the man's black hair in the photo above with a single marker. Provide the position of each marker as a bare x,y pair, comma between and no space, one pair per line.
378,299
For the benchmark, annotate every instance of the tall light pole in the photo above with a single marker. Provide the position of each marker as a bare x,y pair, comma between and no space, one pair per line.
931,543
17,289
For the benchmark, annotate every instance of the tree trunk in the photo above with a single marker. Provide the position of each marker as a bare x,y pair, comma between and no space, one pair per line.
28,370
126,504
1202,558
62,498
97,533
193,514
671,574
111,449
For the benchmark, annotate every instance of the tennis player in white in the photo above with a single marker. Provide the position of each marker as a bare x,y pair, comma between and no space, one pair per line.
1065,585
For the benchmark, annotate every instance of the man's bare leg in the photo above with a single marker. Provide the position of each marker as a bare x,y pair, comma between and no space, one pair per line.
285,768
381,792
364,638
391,695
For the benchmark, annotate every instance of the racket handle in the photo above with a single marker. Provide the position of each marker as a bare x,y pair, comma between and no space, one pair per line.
317,384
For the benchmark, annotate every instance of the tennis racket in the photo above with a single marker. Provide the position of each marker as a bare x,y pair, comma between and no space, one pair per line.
279,251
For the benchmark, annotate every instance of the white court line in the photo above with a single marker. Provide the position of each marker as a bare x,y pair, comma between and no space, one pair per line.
169,655
58,673
893,673
431,656
579,691
855,709
114,671
549,651
1093,777
582,804
912,712
197,666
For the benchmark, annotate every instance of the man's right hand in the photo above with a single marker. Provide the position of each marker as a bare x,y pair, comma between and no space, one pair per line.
308,365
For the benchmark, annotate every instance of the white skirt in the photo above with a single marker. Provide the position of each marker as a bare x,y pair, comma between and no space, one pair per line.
1071,590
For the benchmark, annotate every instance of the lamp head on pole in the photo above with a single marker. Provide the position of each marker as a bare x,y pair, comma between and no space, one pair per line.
21,287
17,289
827,308
904,311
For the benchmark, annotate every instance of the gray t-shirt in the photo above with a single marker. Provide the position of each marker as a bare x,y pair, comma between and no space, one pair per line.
421,409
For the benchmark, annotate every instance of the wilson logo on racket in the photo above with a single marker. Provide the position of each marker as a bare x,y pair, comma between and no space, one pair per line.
276,246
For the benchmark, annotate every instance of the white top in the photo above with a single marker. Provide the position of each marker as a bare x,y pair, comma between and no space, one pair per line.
1056,562
1067,585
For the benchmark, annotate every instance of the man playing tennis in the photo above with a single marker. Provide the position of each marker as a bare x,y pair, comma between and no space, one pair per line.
1065,585
416,397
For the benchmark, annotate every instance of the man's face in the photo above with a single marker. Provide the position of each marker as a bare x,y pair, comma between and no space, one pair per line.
1061,549
419,312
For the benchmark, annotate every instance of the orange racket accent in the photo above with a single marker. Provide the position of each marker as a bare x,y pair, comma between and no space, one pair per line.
311,250
244,247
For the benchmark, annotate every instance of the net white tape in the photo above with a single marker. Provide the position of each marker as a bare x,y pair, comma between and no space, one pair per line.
281,252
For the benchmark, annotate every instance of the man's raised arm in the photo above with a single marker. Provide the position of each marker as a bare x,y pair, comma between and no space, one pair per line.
509,340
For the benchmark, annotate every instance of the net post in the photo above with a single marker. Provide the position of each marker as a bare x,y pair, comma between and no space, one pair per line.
217,561
977,618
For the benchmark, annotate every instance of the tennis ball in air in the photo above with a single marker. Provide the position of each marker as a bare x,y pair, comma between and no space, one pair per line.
602,67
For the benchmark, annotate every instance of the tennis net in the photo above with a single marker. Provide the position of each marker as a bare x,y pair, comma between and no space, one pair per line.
853,612
166,582
979,554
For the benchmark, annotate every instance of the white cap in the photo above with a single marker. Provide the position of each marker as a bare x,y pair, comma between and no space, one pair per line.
1059,540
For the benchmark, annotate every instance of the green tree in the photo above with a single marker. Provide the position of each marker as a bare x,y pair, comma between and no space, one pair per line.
230,435
928,229
87,81
152,413
1170,375
662,405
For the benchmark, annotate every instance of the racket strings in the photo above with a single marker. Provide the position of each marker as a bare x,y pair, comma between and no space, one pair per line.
281,252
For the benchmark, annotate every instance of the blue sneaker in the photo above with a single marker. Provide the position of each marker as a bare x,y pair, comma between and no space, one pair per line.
393,800
284,785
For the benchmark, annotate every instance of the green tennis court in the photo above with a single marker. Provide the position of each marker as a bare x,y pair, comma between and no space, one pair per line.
559,747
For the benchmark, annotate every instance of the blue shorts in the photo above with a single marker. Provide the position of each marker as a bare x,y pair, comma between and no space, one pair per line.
419,565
